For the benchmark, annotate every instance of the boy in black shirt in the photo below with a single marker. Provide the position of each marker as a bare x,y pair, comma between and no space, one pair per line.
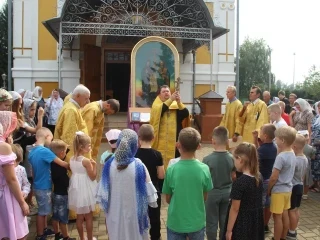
60,181
152,159
267,152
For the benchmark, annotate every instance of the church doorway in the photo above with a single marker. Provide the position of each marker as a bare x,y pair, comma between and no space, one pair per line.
117,82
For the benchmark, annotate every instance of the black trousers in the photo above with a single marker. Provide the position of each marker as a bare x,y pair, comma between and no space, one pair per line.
155,223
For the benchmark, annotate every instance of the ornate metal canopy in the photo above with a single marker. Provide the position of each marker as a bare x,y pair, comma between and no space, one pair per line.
189,20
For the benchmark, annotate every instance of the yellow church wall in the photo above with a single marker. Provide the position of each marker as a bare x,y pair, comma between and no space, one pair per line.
202,89
47,87
47,45
202,53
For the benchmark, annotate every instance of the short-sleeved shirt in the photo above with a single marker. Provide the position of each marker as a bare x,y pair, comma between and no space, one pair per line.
221,165
267,154
302,119
186,181
280,123
309,151
152,159
300,170
40,159
285,163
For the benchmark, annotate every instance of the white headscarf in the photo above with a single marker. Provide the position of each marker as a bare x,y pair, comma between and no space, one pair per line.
21,91
36,95
28,95
304,105
15,95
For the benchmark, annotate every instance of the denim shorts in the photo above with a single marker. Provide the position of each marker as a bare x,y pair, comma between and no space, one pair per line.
60,208
43,198
199,235
265,196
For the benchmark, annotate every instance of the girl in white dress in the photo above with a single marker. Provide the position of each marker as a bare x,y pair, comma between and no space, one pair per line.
83,185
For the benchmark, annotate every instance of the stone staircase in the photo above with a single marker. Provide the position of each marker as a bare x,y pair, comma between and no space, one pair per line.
116,121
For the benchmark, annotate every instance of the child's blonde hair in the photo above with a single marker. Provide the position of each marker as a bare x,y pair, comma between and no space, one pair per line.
17,149
220,135
300,142
80,140
248,154
189,139
286,134
146,133
57,146
275,108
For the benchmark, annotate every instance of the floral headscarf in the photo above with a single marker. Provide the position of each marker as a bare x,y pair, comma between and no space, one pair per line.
8,122
4,95
127,146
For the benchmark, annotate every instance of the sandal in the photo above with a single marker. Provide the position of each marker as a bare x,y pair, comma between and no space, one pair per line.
315,190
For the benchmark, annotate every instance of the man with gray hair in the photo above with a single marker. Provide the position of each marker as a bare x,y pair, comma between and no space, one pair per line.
267,98
70,121
230,119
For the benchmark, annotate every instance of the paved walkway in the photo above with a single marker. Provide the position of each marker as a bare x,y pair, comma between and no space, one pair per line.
309,225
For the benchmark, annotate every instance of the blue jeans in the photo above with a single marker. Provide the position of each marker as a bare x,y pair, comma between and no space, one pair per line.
199,235
265,196
43,198
60,208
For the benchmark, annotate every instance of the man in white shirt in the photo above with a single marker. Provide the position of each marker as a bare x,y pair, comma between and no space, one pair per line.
274,111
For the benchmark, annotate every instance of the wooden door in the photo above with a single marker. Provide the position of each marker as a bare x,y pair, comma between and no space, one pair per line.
92,71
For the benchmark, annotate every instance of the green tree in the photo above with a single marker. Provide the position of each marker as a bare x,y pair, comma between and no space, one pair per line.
254,66
311,84
4,40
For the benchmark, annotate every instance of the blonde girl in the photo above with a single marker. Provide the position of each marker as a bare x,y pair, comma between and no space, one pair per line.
83,185
245,219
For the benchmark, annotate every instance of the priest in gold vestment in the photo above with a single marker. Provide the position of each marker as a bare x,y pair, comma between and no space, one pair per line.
168,117
70,121
253,115
230,119
93,114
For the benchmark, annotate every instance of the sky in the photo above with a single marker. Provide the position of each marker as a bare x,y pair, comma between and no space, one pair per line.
288,27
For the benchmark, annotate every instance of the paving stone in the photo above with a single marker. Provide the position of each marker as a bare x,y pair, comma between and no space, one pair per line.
308,226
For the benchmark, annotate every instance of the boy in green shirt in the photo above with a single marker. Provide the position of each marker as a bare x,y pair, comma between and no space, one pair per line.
186,185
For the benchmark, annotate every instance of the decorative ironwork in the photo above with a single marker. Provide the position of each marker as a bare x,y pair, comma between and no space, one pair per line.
183,13
71,28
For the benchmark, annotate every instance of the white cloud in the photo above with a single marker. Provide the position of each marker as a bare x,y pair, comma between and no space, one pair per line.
288,26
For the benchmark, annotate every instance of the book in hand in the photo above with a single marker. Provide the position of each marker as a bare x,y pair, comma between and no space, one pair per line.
235,144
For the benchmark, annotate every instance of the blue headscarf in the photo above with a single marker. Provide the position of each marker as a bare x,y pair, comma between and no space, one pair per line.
127,146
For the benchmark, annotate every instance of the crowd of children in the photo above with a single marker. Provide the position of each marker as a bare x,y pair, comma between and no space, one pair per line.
234,191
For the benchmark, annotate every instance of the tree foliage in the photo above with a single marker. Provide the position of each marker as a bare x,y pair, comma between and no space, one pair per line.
311,84
4,40
254,66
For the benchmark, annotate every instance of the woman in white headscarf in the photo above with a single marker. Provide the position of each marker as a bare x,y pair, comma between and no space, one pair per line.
28,95
37,95
53,107
301,116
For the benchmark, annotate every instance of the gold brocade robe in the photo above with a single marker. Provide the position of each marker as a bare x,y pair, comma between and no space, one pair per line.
94,118
230,119
254,117
67,98
165,128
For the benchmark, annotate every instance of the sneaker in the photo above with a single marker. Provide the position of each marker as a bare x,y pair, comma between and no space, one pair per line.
48,232
304,197
58,236
292,236
43,237
266,229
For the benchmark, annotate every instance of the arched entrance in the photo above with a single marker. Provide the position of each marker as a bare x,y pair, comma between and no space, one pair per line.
188,20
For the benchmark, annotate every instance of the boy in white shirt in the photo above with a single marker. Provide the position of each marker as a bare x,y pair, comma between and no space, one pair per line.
274,111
